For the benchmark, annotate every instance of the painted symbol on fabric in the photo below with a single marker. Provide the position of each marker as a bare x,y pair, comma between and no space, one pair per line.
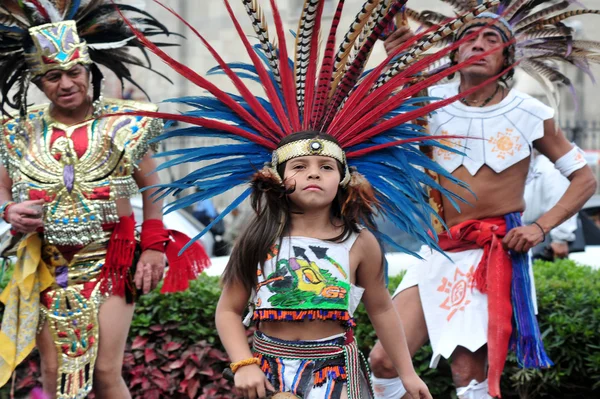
579,157
300,282
458,291
443,153
505,143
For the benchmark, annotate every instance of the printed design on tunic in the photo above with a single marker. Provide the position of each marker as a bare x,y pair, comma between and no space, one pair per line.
299,282
443,153
505,143
458,291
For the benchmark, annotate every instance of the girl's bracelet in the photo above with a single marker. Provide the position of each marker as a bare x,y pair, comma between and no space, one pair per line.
235,366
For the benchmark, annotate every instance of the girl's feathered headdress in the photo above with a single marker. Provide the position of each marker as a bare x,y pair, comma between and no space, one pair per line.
542,39
368,112
40,35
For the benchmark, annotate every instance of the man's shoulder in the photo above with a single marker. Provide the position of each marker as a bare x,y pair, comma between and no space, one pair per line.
33,112
533,105
115,105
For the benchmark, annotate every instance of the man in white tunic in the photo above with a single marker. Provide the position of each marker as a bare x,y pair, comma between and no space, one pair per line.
477,298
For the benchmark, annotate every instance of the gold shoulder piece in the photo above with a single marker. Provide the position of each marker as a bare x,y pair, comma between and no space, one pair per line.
16,134
132,133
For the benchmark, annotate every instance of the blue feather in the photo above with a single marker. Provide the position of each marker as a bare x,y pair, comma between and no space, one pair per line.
234,204
73,10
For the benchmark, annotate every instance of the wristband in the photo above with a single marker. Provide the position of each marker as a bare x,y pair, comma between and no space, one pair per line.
235,366
154,235
4,209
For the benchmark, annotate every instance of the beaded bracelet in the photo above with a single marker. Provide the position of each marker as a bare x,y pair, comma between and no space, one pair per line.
4,208
235,366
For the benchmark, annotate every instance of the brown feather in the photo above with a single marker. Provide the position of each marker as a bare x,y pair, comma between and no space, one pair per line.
533,18
347,44
565,15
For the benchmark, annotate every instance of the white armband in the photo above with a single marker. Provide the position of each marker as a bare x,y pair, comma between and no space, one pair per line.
571,161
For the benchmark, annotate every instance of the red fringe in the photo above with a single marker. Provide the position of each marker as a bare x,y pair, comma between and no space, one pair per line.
182,268
185,267
119,258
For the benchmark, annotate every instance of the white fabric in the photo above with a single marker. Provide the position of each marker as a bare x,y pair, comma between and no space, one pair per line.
545,186
387,388
498,136
571,161
475,390
456,313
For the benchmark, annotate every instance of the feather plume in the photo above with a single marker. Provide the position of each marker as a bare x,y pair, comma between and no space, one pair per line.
346,46
324,81
51,11
533,18
565,15
259,24
304,43
430,40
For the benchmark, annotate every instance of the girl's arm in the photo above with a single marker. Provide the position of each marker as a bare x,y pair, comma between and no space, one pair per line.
250,380
382,313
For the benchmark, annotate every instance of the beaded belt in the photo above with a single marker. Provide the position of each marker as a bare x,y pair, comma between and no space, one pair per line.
354,359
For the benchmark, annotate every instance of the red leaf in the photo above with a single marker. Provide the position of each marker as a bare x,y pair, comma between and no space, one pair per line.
139,342
217,354
156,327
190,371
192,389
128,359
149,355
208,372
177,364
171,346
162,383
145,383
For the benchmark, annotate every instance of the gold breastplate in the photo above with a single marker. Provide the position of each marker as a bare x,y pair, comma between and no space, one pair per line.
80,170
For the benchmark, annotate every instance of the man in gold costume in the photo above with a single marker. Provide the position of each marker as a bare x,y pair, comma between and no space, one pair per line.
69,170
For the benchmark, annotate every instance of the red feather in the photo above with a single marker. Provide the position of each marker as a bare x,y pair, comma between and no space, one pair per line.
374,114
403,118
357,99
43,12
263,75
311,73
364,151
287,77
207,123
325,75
351,76
201,82
262,114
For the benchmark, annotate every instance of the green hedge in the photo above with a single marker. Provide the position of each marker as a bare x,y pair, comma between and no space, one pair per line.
175,352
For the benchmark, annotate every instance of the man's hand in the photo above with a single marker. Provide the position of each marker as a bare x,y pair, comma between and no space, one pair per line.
560,249
396,39
150,270
522,239
26,216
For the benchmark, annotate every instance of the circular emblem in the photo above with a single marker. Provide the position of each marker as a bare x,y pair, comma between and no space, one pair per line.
315,146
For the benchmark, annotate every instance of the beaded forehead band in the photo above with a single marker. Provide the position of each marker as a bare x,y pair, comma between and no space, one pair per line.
308,147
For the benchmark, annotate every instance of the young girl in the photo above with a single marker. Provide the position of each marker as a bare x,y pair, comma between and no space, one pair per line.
305,261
